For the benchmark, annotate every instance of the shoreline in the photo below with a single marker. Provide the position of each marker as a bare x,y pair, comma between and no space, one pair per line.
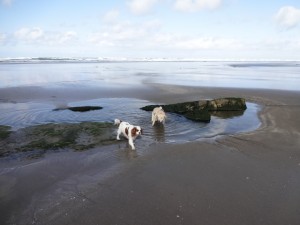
248,178
153,92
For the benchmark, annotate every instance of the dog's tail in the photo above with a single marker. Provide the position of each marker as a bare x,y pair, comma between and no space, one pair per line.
117,121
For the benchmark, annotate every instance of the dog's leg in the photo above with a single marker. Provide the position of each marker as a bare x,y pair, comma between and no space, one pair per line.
153,120
130,141
118,134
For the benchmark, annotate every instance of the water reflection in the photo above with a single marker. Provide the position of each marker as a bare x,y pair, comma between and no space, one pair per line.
159,132
227,114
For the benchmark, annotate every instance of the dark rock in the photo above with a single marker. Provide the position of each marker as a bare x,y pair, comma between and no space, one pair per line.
81,108
200,110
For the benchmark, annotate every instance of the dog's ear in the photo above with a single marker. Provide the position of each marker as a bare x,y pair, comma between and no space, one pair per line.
142,131
133,131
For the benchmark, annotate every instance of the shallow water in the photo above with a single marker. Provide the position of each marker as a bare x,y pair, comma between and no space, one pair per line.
177,128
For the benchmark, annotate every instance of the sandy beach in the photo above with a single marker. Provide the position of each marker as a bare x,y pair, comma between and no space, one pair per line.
225,72
250,178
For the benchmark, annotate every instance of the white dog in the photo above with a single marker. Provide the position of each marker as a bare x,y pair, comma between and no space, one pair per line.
158,115
129,131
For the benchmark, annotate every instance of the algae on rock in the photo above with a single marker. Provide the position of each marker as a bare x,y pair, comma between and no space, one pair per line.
78,136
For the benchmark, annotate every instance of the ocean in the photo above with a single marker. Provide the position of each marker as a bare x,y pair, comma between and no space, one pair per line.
278,75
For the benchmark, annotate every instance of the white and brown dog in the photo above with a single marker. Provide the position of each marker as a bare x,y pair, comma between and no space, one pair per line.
129,131
158,115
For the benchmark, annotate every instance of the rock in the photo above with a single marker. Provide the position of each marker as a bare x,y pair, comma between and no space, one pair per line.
190,110
80,108
200,110
35,141
226,104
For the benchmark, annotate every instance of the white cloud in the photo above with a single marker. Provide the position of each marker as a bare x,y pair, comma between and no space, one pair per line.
38,36
196,5
27,34
118,35
288,16
2,38
141,6
281,44
66,37
207,43
196,43
149,35
7,2
111,16
125,33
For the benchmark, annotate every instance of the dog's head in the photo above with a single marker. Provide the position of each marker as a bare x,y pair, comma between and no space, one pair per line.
136,131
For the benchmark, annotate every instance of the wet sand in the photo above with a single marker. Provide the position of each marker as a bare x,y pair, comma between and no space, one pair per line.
249,178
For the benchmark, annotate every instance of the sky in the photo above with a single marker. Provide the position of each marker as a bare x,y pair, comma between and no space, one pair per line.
187,29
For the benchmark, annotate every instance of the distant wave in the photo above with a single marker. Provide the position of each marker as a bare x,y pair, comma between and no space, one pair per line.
51,60
87,60
267,64
232,63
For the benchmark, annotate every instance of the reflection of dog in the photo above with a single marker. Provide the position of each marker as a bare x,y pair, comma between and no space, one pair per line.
129,131
158,115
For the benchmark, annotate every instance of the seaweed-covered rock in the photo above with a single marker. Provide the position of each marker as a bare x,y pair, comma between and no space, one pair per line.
36,140
200,110
226,104
4,132
191,110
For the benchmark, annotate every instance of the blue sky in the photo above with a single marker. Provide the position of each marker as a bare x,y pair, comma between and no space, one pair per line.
203,29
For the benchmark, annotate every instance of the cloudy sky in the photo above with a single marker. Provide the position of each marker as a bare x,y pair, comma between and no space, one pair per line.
207,29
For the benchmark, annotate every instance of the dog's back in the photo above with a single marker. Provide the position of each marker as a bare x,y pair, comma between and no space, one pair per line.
158,114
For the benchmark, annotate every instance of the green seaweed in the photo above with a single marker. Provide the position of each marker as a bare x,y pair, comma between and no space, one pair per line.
4,132
46,137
